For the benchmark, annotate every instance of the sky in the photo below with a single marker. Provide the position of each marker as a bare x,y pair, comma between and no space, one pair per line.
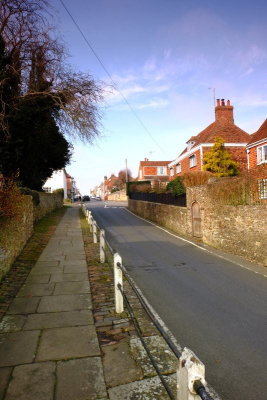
169,59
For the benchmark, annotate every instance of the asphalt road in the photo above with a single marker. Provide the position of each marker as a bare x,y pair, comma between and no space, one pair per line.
213,306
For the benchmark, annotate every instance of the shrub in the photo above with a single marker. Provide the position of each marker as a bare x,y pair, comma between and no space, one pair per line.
138,186
176,186
196,178
59,191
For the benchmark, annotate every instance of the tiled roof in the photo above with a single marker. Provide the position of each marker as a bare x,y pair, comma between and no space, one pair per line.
228,131
260,134
154,163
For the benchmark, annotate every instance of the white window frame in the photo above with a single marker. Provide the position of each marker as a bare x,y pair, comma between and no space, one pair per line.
171,171
178,168
47,189
262,184
192,161
161,170
262,154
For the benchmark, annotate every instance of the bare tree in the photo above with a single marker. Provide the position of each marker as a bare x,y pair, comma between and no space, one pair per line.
34,67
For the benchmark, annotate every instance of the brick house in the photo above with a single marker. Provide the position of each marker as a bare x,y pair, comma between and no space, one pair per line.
257,157
235,141
257,147
153,171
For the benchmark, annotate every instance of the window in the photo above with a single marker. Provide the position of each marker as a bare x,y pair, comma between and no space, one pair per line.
47,189
262,154
192,161
171,171
161,171
263,188
178,168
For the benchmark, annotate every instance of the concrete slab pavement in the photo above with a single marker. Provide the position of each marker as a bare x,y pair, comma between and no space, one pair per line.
59,340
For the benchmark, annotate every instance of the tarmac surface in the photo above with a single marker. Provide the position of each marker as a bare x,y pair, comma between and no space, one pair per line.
61,338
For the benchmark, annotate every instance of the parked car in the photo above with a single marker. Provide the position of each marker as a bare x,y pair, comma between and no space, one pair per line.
85,198
98,198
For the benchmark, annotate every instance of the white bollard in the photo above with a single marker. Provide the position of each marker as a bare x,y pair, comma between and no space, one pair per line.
90,221
118,280
94,232
190,369
102,245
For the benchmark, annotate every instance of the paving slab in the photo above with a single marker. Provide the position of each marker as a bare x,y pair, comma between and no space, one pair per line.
58,319
18,348
45,263
12,323
119,365
61,277
76,257
24,305
47,270
42,278
64,343
70,269
73,263
72,288
80,379
147,389
69,302
4,378
32,382
36,289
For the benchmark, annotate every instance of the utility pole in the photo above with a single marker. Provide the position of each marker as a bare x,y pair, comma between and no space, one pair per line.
126,175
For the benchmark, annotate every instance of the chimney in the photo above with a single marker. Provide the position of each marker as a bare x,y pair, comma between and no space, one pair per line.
146,159
224,113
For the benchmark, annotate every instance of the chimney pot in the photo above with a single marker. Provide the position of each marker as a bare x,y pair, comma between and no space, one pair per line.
223,103
218,102
228,102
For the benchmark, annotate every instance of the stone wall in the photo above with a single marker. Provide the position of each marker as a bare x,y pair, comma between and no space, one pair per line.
14,234
48,203
239,230
15,231
171,217
118,196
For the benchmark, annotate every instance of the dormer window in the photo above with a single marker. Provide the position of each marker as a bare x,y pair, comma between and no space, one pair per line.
190,144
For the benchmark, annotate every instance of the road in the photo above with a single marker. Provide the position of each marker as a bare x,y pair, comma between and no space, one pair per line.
211,305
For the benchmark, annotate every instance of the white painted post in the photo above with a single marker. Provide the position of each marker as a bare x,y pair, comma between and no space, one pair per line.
90,221
190,369
102,245
118,280
94,232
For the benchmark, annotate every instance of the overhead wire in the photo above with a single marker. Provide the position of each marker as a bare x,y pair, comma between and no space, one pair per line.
110,76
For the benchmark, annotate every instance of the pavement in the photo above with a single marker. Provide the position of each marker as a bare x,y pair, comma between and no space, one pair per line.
61,338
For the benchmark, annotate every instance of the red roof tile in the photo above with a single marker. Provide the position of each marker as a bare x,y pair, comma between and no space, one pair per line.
228,131
154,163
260,134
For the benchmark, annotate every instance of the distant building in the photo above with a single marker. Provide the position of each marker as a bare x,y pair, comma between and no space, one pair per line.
62,180
153,171
235,141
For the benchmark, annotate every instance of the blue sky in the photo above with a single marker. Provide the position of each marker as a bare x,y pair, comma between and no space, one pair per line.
164,55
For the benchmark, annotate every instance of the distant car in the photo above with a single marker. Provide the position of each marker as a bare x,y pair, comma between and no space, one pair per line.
85,198
98,198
